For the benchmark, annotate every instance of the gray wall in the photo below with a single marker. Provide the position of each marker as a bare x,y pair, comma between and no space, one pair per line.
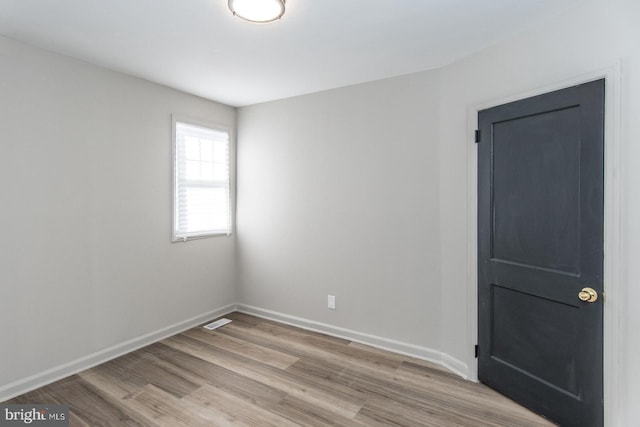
338,194
86,261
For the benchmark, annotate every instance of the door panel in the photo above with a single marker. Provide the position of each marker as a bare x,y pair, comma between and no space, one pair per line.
537,224
540,237
526,336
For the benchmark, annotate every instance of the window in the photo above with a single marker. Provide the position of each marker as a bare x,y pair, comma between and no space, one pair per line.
201,196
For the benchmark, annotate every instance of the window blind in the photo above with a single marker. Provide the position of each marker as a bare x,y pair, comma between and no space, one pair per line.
201,193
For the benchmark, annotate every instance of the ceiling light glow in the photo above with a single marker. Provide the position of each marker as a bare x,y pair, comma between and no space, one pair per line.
257,10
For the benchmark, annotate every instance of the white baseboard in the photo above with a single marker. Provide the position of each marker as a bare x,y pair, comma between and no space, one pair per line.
419,352
40,379
455,365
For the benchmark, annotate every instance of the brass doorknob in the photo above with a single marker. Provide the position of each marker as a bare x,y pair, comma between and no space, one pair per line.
588,295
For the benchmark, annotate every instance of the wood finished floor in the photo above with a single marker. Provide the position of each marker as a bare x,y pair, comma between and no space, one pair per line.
255,372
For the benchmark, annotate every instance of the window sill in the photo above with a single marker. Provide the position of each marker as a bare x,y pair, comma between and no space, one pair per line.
200,236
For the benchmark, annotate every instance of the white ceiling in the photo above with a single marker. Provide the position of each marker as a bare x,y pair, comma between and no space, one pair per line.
197,45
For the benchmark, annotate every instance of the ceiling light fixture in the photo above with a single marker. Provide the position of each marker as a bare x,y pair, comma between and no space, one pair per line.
259,11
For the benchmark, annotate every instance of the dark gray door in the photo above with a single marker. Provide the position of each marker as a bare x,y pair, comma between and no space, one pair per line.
540,239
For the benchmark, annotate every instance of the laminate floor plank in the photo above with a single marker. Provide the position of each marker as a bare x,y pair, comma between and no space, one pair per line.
340,348
246,319
277,378
76,421
473,398
224,379
241,411
313,376
435,397
379,412
160,408
91,405
304,335
253,351
146,368
306,414
116,376
260,338
109,384
277,339
257,372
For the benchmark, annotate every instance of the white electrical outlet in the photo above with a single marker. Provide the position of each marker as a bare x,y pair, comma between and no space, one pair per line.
331,302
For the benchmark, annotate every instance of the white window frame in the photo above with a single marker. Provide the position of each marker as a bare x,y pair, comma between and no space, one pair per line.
175,235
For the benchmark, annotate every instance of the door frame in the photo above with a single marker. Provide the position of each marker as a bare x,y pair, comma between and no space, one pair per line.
612,223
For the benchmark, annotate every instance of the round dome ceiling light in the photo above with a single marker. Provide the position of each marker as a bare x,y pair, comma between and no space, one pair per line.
259,11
